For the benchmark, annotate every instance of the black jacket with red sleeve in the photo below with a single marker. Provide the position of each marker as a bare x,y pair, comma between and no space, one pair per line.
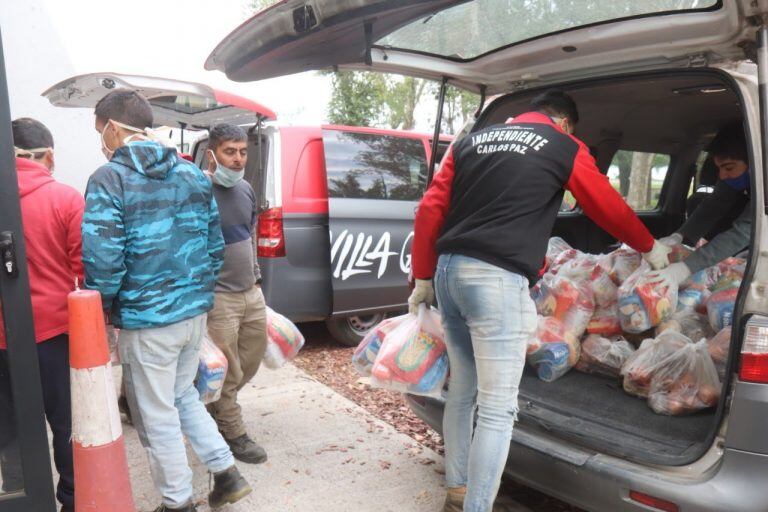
498,191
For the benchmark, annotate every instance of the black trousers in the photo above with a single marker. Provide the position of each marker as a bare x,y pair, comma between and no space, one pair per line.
53,358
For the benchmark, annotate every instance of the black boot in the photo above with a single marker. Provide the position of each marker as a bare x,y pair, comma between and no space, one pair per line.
228,487
246,450
189,507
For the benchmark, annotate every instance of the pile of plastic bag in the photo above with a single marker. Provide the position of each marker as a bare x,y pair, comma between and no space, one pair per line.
405,354
594,309
284,340
211,371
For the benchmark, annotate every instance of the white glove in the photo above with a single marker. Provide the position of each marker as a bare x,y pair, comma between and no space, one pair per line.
672,240
422,293
675,274
658,256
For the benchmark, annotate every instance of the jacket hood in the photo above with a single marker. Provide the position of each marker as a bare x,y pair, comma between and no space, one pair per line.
149,158
32,176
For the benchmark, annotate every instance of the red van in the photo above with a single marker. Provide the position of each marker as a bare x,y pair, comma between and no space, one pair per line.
337,202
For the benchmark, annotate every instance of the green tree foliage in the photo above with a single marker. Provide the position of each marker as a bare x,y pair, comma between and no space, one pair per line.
357,98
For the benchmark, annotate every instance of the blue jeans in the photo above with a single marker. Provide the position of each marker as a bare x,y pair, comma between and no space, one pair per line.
159,368
488,316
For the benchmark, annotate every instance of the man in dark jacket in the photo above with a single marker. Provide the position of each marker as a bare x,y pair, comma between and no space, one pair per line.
728,150
152,247
238,321
489,214
51,213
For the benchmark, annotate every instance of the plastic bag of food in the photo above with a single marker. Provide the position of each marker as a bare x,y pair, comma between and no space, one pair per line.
718,347
604,356
626,261
413,358
685,382
605,321
552,350
693,325
555,247
368,348
211,371
603,287
579,268
554,295
644,303
641,366
720,308
563,258
284,340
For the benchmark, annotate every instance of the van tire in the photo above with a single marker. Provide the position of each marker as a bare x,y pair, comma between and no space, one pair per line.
350,330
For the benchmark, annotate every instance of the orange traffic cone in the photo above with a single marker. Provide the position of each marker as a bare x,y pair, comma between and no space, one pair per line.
102,483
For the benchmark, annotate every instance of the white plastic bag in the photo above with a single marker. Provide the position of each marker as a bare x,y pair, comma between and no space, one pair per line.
284,340
368,348
643,303
211,371
413,358
604,356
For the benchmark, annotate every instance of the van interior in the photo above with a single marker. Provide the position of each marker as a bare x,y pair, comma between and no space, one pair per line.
672,116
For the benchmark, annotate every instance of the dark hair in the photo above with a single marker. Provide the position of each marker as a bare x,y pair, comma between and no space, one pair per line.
125,106
729,143
557,103
221,133
30,133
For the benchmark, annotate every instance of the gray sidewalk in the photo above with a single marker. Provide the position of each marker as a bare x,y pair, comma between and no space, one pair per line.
325,454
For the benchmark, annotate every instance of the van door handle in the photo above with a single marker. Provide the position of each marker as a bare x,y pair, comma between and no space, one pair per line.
8,254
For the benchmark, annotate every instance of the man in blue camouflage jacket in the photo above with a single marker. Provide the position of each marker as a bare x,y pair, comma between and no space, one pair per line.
152,246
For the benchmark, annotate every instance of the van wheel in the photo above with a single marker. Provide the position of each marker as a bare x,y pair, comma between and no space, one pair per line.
350,330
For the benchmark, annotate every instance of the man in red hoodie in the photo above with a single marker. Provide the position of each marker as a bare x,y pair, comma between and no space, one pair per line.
51,215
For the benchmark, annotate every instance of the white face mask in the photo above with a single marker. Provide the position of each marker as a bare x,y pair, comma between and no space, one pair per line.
225,176
108,153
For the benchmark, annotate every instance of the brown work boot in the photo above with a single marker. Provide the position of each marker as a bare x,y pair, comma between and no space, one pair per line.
228,487
246,450
454,500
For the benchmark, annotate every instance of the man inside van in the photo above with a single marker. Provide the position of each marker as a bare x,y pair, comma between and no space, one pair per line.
729,153
52,213
481,231
152,247
238,321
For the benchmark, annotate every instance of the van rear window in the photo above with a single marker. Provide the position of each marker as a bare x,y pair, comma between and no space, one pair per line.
372,166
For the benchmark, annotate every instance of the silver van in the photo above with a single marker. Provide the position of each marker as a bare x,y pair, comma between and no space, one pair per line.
654,80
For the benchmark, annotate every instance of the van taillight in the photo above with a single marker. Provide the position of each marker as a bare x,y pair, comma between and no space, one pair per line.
271,241
653,502
754,351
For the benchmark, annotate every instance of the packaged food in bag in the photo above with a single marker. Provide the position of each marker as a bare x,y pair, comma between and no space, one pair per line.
685,382
579,268
720,308
284,340
718,347
563,258
605,321
644,303
604,356
211,371
555,247
553,350
640,367
626,261
413,358
368,348
604,289
554,295
688,322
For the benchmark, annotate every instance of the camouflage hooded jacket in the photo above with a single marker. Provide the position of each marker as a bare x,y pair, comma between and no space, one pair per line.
152,242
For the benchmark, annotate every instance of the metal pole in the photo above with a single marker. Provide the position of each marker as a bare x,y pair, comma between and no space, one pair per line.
762,77
182,125
438,122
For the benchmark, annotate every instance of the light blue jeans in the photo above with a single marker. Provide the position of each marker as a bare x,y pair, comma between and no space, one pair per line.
488,316
159,368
